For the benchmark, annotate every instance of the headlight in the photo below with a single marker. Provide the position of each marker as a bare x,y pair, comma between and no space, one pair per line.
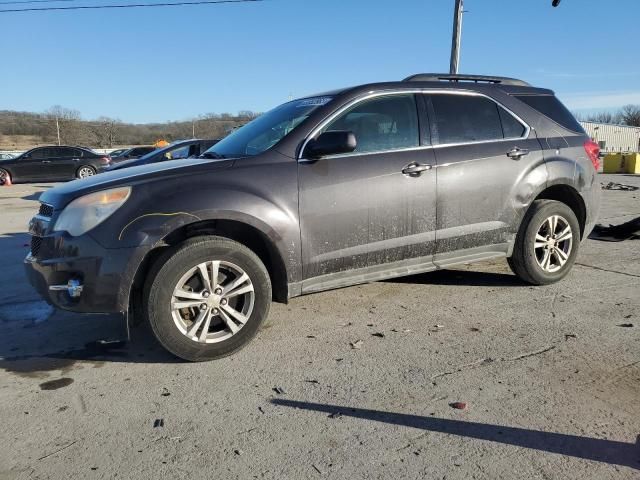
89,211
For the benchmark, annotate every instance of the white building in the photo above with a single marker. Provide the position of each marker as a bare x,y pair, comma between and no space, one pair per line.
614,138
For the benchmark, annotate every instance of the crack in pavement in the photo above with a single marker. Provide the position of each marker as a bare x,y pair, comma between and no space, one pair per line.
487,361
608,270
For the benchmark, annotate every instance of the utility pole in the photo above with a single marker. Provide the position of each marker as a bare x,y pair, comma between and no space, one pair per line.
58,129
193,129
457,35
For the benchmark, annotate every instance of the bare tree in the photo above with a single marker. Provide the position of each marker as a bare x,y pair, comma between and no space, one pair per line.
64,124
604,117
105,131
630,115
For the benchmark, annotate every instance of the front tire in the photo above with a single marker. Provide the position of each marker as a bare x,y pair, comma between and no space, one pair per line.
547,243
4,175
207,298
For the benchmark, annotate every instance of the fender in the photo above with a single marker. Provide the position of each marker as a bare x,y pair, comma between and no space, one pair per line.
152,213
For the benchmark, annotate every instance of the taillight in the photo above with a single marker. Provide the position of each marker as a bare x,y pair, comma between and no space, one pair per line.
105,160
593,152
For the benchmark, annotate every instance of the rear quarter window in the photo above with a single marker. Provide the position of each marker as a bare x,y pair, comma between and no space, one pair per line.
551,107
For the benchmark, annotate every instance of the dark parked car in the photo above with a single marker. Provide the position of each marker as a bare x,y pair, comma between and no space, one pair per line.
53,163
350,186
131,153
176,151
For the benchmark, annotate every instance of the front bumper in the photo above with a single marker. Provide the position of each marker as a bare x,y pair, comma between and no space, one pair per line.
106,275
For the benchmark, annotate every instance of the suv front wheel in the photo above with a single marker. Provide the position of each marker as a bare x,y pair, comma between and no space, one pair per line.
207,298
547,243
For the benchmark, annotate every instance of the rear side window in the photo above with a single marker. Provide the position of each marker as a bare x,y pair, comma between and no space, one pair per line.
465,118
553,108
511,127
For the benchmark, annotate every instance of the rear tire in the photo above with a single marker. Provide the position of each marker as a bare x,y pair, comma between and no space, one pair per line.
199,321
85,171
547,243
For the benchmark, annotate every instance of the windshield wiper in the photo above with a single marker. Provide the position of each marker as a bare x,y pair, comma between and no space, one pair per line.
213,155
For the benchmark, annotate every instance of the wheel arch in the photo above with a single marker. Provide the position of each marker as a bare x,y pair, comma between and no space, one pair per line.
241,232
569,196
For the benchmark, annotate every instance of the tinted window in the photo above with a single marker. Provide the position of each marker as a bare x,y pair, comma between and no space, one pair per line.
39,154
383,123
465,118
553,108
511,128
65,153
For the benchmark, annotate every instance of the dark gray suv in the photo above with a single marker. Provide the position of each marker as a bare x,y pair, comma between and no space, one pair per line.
345,187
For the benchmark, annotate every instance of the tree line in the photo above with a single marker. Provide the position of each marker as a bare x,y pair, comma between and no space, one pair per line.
627,115
26,129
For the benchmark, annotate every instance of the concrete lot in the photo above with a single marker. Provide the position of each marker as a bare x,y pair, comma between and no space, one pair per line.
550,377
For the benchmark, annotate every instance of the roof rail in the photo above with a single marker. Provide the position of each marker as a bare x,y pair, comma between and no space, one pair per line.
445,77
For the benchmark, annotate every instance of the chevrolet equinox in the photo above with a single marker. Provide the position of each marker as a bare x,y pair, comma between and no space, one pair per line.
345,187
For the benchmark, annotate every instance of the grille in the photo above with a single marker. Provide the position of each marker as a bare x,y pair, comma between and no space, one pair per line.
45,210
36,242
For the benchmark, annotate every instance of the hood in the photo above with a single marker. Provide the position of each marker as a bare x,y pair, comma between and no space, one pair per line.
63,194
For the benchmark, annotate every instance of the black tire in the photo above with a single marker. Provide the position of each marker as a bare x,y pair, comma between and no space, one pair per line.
524,261
169,269
4,174
89,167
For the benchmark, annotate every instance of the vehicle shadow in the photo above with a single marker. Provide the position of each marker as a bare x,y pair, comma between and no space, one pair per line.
595,449
63,343
461,277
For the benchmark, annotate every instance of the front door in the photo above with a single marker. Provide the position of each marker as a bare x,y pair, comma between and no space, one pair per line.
29,166
359,213
482,150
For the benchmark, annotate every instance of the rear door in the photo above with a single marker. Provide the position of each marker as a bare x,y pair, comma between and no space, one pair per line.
482,150
359,211
64,162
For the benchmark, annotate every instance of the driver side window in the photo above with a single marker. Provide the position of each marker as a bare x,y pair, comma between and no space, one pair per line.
381,123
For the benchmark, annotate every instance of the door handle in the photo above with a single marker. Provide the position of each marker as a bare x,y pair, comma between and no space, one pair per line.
517,153
46,161
415,169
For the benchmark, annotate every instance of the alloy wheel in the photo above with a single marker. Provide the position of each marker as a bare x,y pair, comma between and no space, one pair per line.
85,172
212,301
553,243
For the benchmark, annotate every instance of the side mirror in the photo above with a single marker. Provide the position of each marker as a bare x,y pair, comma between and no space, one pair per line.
331,143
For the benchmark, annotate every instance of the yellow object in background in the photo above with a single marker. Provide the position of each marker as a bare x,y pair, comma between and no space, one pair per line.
622,163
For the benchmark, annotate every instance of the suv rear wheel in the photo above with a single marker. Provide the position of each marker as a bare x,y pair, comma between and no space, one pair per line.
207,298
547,243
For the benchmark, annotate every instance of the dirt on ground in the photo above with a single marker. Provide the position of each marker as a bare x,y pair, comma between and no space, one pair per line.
457,374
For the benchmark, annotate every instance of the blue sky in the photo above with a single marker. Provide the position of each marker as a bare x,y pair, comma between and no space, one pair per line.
173,63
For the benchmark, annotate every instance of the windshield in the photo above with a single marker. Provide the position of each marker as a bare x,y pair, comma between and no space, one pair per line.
158,151
266,130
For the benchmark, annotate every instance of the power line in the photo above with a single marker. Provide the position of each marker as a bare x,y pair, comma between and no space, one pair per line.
134,5
35,1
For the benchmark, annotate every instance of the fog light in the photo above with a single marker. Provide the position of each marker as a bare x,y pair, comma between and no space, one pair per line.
73,288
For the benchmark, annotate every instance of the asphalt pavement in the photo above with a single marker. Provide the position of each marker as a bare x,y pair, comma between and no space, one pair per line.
457,374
